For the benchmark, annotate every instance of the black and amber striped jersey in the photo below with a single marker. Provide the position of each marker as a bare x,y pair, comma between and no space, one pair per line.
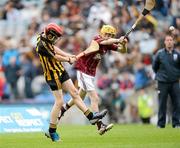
52,68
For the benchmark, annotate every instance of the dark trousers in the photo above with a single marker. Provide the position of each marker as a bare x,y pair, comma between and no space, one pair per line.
173,90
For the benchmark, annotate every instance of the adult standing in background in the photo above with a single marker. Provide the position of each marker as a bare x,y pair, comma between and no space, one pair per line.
166,65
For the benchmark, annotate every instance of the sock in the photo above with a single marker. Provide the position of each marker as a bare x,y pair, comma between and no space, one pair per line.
99,124
88,114
52,128
66,106
63,110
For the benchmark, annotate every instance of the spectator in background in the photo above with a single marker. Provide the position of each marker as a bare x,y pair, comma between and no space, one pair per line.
11,66
54,8
145,104
126,83
118,103
117,100
10,51
12,73
163,6
2,85
4,89
175,7
10,13
29,72
166,65
141,77
95,13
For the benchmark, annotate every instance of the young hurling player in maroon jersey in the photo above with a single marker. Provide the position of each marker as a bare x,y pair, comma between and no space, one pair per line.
86,65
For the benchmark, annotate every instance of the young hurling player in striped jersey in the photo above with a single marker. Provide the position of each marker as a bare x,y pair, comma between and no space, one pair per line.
57,78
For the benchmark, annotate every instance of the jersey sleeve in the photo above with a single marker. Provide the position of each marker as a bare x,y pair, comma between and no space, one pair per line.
156,62
114,47
98,39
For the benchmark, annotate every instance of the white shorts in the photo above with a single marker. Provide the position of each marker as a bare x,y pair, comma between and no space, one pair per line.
85,82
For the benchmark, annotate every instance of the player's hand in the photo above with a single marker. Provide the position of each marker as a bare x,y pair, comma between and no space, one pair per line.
122,46
73,56
72,60
122,40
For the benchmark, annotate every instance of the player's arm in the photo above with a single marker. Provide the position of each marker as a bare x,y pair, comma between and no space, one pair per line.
122,46
68,59
156,62
61,52
50,52
62,56
93,47
112,41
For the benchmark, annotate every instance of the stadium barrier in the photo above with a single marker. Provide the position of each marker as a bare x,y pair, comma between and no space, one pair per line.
23,118
34,117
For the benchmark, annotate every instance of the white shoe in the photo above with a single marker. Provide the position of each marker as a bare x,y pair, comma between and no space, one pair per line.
104,128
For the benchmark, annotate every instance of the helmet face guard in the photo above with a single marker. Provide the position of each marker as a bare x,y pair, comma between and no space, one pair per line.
53,32
52,37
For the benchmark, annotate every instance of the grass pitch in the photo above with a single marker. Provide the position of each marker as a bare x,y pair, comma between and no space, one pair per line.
121,136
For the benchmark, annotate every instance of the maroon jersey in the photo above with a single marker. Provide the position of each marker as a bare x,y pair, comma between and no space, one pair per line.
88,63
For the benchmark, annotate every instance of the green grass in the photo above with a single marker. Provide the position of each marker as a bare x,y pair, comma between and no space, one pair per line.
121,136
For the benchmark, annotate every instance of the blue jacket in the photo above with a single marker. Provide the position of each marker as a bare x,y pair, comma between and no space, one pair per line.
167,65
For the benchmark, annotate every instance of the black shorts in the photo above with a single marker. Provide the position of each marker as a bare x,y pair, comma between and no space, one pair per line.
57,84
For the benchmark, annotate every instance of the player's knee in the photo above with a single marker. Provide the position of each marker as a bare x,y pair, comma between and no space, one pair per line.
95,100
94,97
75,94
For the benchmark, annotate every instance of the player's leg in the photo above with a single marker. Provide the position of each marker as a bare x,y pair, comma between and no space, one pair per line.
94,100
102,128
54,115
86,83
82,93
93,118
70,103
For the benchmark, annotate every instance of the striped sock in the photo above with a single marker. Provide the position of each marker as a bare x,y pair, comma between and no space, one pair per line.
88,114
66,106
52,128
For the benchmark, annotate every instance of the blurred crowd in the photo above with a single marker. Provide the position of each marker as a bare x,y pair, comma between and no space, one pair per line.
119,75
